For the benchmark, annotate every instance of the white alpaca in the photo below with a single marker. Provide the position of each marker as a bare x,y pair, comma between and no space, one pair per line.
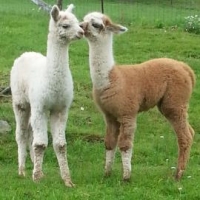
43,86
122,91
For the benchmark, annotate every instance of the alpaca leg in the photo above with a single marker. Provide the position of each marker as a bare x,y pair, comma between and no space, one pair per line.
185,139
30,141
22,113
178,118
40,141
58,125
125,143
112,132
110,156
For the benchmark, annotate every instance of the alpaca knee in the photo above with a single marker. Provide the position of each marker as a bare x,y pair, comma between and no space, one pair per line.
40,140
110,143
38,150
125,144
60,146
39,147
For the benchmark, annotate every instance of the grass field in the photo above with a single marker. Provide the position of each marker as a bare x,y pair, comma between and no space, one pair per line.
24,28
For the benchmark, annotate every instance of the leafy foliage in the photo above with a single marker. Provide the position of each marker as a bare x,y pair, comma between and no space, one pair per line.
192,24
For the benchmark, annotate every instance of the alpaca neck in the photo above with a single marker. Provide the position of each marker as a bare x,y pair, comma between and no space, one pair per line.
101,62
57,59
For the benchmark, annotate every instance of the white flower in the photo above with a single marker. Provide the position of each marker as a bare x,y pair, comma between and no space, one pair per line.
173,167
180,188
82,108
162,137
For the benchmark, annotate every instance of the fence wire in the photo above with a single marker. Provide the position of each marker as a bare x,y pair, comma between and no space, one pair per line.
129,11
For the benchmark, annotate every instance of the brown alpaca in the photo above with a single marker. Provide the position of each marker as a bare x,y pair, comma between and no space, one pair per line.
121,92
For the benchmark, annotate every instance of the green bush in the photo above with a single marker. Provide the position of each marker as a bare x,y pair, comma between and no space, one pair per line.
192,24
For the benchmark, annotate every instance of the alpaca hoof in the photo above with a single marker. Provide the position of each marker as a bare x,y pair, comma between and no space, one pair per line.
21,172
37,176
69,183
126,179
127,176
108,170
107,173
179,174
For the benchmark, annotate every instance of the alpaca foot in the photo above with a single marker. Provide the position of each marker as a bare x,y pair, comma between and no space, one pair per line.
126,176
179,174
126,179
107,173
69,183
21,171
37,175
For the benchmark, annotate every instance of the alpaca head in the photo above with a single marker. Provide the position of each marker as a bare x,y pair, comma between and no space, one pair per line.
97,25
64,24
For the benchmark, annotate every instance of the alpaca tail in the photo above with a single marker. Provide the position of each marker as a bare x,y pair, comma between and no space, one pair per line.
191,74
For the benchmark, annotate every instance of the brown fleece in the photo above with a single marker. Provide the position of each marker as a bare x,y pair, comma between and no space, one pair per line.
165,83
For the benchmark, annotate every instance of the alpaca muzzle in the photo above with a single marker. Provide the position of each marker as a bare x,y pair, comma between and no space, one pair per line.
84,26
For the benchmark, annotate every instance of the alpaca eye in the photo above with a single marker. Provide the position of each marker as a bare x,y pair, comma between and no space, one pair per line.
65,26
95,25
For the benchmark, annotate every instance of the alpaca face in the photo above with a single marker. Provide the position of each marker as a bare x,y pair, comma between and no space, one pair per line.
97,25
65,25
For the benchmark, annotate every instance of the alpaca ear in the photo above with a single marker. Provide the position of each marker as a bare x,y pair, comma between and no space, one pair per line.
70,8
55,13
117,29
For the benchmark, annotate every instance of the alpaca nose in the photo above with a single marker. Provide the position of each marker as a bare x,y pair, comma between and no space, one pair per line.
81,32
83,25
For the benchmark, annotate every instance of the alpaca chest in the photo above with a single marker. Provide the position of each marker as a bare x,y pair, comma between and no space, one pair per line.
50,94
60,96
109,102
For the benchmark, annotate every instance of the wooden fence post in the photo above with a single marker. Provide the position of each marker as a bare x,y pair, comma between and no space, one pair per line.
102,6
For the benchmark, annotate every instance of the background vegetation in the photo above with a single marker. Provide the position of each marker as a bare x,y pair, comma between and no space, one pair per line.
154,31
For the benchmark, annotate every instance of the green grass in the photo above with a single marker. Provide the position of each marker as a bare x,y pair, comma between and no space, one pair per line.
155,150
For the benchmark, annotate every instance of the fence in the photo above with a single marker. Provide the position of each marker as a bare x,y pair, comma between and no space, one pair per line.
143,12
